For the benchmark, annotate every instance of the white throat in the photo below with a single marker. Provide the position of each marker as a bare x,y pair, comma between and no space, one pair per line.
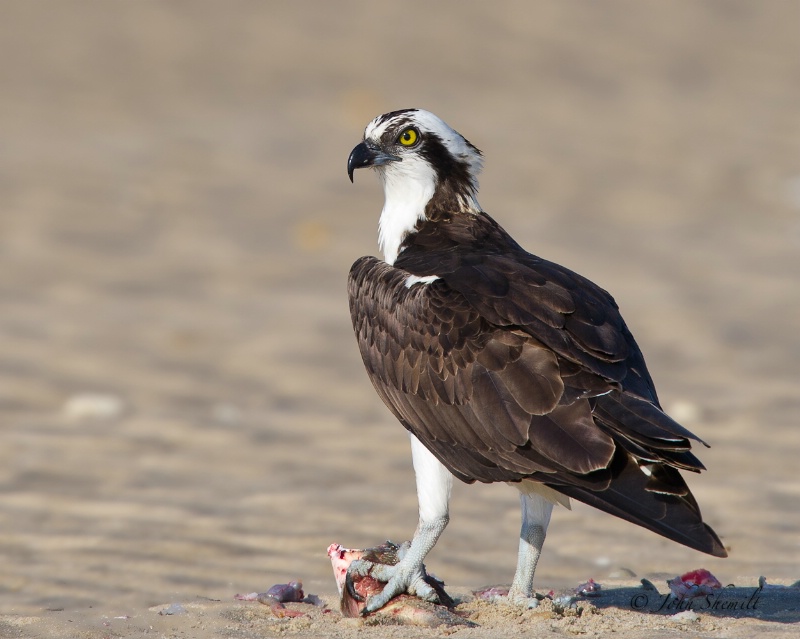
408,186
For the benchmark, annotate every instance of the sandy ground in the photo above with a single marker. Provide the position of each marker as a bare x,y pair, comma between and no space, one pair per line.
184,412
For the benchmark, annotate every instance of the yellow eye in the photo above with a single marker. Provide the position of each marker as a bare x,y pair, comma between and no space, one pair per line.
408,137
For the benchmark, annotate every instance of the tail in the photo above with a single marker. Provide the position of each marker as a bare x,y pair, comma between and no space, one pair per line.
644,485
672,516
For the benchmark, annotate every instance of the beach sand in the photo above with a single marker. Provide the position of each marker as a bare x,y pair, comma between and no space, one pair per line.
184,412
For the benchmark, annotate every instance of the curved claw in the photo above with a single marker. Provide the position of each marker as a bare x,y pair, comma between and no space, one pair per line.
351,587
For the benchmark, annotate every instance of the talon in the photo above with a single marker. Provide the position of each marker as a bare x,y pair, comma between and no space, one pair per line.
437,585
369,579
351,588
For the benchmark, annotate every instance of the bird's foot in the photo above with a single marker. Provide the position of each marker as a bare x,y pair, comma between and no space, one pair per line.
509,596
399,580
380,575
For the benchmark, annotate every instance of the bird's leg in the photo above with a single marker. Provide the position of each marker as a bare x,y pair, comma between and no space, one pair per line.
536,512
434,483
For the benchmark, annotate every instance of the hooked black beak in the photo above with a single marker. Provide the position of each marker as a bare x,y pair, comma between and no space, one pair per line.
367,155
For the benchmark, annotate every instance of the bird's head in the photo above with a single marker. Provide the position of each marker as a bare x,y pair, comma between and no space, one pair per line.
425,166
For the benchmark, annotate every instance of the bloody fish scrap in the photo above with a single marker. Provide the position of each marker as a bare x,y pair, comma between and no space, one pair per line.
278,595
355,587
695,583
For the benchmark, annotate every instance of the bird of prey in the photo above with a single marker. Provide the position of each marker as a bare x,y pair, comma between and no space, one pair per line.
502,366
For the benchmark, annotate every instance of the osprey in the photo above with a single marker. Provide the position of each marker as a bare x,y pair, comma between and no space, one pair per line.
502,366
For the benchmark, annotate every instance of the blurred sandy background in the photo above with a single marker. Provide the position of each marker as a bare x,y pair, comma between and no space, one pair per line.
176,227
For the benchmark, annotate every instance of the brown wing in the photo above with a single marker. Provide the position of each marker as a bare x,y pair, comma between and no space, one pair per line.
499,388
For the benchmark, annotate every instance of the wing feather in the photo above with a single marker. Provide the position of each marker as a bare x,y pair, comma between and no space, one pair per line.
493,405
508,367
534,380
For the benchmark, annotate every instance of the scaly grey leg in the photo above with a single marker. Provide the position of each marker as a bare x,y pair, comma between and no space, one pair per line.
434,483
536,511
